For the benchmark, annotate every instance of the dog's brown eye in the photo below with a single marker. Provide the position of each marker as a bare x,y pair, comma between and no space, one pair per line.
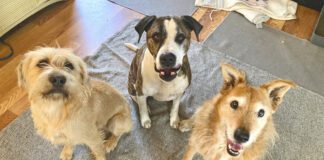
180,38
42,63
69,65
261,113
234,104
156,36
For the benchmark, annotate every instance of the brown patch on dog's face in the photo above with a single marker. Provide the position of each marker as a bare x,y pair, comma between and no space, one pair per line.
244,111
52,74
160,31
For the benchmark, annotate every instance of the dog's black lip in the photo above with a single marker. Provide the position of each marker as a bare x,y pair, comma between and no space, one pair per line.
167,77
56,90
231,152
170,69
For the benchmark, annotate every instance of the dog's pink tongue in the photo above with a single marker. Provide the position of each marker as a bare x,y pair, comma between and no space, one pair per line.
235,146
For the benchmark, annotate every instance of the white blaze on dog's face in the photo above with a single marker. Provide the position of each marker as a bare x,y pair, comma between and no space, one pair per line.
168,40
53,74
245,111
174,44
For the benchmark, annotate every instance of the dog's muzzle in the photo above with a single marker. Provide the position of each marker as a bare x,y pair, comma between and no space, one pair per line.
167,74
57,82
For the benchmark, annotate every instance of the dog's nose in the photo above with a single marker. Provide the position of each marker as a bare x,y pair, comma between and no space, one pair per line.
241,135
57,80
168,60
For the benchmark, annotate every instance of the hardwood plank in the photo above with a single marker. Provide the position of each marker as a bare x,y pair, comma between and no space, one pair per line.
6,118
199,13
20,105
211,20
8,76
303,26
10,98
278,24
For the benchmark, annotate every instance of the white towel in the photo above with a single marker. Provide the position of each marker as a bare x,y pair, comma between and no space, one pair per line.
253,16
256,11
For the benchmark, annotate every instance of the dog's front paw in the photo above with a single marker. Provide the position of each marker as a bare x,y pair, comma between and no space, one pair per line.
67,152
146,123
110,145
185,125
65,156
174,122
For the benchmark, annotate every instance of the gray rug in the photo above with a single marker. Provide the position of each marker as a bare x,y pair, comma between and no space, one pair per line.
159,7
299,120
271,50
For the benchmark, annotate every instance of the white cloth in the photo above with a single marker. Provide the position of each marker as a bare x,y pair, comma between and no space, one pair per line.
256,11
253,16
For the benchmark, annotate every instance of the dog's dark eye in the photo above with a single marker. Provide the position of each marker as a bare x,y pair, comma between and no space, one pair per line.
42,63
234,104
180,38
69,65
261,113
157,36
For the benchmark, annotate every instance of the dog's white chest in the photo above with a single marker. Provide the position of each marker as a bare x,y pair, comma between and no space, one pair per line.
164,91
171,90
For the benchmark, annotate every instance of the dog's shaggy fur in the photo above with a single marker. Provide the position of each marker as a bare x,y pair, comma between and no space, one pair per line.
76,110
236,123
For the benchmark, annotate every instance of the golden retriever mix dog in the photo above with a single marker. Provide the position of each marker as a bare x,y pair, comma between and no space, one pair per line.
236,123
67,107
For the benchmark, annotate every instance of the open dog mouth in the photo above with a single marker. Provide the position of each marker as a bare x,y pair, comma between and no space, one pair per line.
56,91
167,74
234,148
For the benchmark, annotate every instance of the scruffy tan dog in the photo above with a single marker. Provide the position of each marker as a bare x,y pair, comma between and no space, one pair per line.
67,107
236,123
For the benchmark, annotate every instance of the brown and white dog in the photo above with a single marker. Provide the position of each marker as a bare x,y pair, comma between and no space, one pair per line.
161,68
236,123
67,107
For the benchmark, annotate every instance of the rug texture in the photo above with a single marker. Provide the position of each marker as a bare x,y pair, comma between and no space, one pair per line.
299,120
159,7
271,50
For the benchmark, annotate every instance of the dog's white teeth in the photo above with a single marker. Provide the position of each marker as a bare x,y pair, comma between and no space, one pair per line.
172,73
162,73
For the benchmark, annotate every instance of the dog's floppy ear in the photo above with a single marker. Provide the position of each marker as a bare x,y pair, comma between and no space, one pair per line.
231,76
276,90
84,73
144,25
20,75
193,25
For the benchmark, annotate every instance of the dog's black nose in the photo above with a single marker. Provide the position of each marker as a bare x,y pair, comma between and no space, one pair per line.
241,135
167,60
57,80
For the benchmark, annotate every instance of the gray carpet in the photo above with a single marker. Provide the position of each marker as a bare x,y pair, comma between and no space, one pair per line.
299,120
271,50
159,7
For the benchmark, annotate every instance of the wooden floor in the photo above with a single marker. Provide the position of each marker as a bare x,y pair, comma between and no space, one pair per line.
83,25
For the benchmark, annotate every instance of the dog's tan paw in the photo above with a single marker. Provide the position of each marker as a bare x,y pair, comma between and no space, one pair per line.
65,156
146,124
185,125
100,158
174,123
110,145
